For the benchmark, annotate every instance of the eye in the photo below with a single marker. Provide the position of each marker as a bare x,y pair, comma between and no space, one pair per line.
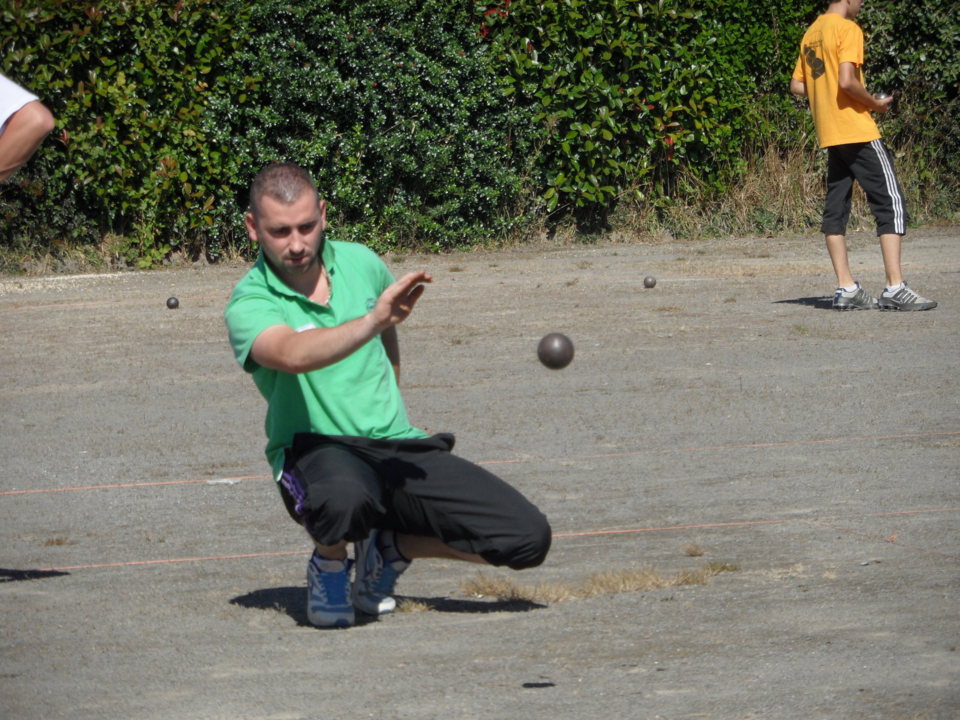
308,228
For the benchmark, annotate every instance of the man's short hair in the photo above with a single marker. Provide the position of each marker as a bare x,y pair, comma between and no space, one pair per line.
284,182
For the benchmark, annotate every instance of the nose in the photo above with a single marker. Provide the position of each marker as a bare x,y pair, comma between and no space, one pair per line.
298,243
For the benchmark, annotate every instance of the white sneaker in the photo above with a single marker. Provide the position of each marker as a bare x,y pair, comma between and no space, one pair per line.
904,299
857,299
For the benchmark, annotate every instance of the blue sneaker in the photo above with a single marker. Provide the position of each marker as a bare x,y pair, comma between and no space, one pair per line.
375,578
328,596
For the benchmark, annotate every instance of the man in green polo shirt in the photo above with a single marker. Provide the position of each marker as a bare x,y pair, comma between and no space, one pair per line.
314,322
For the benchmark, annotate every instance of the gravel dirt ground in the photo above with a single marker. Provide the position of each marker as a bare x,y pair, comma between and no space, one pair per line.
725,418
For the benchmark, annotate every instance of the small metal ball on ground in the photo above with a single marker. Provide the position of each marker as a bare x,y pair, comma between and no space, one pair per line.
173,303
555,350
649,281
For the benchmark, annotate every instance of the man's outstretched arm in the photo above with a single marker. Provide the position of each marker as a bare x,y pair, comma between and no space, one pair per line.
280,347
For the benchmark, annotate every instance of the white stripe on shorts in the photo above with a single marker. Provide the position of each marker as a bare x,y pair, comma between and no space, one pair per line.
896,199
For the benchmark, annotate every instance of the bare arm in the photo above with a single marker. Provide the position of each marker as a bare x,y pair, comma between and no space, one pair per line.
23,134
851,85
798,87
282,348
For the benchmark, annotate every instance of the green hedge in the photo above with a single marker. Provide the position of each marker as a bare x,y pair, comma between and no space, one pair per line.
913,51
428,123
165,111
127,83
394,108
628,94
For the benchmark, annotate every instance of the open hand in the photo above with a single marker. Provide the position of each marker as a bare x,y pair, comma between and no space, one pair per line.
396,302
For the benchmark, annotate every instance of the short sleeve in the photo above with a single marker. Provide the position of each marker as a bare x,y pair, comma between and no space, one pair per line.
247,315
798,73
382,277
850,44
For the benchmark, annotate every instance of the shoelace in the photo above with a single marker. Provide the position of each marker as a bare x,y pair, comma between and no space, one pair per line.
323,589
382,578
907,295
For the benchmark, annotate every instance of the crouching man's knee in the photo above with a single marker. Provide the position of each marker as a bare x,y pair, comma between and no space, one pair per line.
347,514
529,547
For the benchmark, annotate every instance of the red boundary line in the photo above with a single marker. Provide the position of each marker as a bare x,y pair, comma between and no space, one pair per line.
652,451
587,533
211,481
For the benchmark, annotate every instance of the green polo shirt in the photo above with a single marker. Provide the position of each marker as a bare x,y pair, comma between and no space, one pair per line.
356,396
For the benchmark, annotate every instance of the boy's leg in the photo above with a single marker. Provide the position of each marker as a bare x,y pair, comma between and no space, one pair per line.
837,248
890,244
873,167
836,213
874,170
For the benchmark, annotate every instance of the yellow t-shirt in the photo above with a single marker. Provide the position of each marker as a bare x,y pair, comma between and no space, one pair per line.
838,118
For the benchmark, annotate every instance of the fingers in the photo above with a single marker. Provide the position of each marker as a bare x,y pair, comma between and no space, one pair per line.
411,286
412,297
397,301
885,104
415,278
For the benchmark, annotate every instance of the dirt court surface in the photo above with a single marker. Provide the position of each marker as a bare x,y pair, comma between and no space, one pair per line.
148,570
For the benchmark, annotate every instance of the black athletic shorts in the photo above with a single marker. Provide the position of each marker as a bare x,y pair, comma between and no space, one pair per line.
342,487
872,166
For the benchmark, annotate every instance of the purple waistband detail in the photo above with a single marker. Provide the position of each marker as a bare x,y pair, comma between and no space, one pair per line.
292,483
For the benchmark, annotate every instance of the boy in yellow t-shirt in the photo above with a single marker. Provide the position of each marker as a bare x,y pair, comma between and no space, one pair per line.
829,73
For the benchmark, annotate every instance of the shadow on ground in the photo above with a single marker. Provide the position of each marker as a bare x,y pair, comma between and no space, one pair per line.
291,601
819,303
8,575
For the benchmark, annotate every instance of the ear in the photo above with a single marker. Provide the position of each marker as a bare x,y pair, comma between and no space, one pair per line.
251,224
322,204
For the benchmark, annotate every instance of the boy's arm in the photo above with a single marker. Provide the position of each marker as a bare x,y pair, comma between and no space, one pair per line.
851,85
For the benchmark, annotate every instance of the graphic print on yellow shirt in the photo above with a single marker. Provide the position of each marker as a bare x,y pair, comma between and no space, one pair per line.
839,119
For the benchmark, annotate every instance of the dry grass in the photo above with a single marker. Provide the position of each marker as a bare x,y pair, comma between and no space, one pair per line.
781,192
406,605
612,582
